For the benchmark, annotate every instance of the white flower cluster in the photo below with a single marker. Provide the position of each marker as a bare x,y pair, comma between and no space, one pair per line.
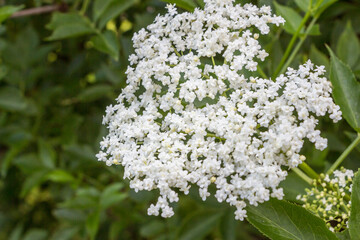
330,199
190,115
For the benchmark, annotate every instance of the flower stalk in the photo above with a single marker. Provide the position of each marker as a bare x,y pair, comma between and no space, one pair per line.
344,155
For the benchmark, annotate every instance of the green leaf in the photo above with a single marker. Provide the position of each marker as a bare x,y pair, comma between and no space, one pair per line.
324,5
344,235
113,10
92,224
68,25
354,221
346,91
10,155
228,226
72,215
304,5
36,234
99,8
16,233
293,20
107,43
32,181
28,163
198,225
65,234
348,46
152,229
319,58
80,202
281,220
47,154
188,5
111,195
94,93
3,71
11,99
81,152
60,176
293,185
7,11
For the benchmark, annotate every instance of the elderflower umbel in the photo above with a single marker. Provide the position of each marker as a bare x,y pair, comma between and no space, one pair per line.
329,199
189,115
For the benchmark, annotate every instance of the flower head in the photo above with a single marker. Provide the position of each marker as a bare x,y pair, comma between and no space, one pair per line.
329,198
191,114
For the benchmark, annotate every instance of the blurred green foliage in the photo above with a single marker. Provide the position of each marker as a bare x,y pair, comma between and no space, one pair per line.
58,72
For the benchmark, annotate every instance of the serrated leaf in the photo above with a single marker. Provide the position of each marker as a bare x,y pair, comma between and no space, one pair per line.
47,154
68,25
346,91
7,11
94,93
354,221
108,43
198,225
348,46
188,5
11,99
113,10
281,220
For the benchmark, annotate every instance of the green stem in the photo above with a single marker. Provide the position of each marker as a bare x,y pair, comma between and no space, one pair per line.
302,175
213,61
297,47
84,7
261,72
213,135
176,52
308,170
292,41
344,155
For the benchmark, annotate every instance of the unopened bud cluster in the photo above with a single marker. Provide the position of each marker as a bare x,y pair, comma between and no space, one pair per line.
329,198
192,114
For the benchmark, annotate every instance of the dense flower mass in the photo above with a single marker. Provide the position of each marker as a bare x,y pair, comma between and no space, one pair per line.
190,113
330,199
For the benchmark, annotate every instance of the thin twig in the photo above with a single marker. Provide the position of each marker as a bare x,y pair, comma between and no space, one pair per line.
39,10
